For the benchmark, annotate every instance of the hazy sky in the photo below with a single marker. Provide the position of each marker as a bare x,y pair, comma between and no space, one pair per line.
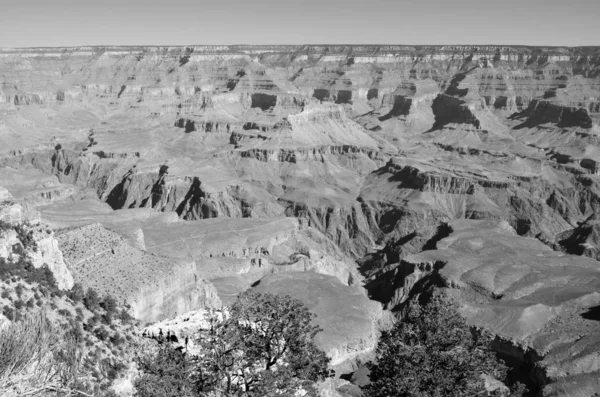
26,23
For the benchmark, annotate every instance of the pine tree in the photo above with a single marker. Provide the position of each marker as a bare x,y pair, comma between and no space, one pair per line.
432,352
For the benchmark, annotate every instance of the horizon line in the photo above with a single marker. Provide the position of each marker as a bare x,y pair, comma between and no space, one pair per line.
301,45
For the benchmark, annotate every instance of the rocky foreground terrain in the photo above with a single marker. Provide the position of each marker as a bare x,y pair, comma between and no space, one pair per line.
351,177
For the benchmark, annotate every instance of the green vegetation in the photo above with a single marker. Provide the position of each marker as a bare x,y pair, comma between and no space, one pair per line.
264,347
432,352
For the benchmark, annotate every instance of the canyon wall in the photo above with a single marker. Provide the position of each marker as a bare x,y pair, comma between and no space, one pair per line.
197,172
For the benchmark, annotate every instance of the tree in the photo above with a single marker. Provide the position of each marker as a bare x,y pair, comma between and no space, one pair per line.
265,347
432,352
262,346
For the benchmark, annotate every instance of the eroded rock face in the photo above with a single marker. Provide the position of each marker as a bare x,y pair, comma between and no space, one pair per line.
42,250
238,164
155,287
351,322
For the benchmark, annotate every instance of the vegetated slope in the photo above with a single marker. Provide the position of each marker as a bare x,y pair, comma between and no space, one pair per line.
375,150
56,339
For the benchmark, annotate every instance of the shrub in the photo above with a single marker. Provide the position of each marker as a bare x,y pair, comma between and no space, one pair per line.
91,300
5,226
76,293
109,304
19,290
8,313
124,316
106,319
19,304
116,339
64,313
101,333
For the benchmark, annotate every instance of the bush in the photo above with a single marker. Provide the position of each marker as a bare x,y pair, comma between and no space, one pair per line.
109,304
124,316
4,227
106,319
64,313
117,339
19,304
91,300
8,312
101,333
76,293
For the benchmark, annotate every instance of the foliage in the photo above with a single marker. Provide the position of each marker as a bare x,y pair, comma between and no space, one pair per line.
263,347
34,359
25,270
26,237
167,373
109,304
76,293
91,300
4,226
432,352
49,373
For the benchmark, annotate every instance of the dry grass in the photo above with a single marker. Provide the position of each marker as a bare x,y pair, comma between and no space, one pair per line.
36,361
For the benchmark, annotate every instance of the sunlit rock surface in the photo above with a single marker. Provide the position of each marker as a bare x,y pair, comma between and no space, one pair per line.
543,301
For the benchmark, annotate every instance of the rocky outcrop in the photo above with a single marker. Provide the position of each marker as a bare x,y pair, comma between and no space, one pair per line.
155,287
541,112
48,253
37,241
334,304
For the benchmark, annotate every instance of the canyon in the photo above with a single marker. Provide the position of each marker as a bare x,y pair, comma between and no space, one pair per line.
354,178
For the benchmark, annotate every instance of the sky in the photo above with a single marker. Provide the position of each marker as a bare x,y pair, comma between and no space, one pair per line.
50,23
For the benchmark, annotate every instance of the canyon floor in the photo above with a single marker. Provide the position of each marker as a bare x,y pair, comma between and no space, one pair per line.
351,177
